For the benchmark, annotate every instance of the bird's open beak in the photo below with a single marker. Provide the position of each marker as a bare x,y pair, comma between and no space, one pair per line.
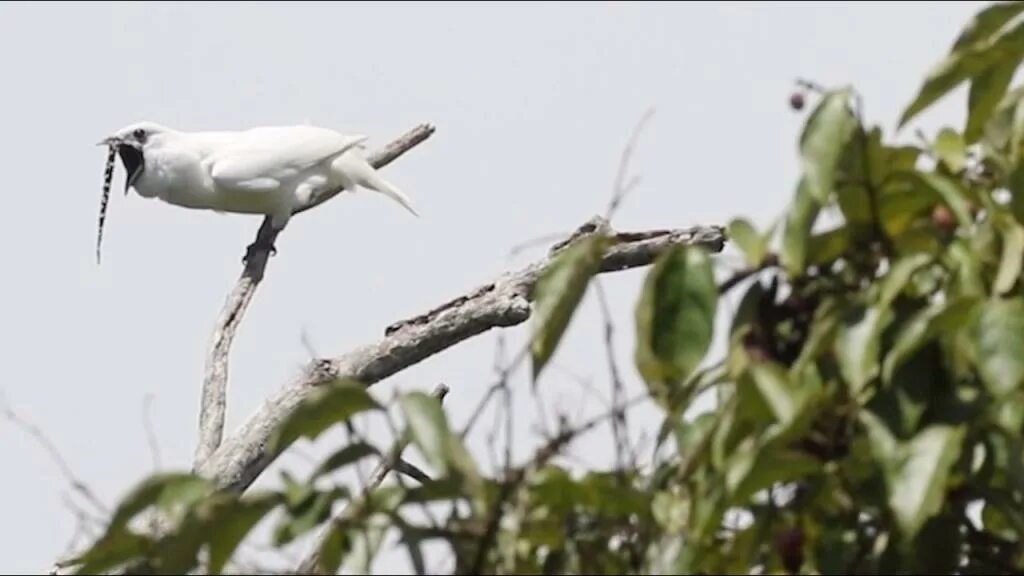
109,141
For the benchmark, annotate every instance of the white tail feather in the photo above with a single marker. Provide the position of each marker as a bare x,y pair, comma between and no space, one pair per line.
360,172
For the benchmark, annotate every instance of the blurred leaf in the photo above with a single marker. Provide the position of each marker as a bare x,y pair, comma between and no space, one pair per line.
987,89
559,291
951,150
884,446
787,399
947,189
325,406
333,548
439,490
343,457
966,61
1012,256
918,482
896,279
828,129
755,468
987,22
115,549
998,337
827,246
307,515
858,345
1000,126
925,325
670,511
231,523
824,324
799,220
365,544
165,491
675,318
429,428
445,452
753,246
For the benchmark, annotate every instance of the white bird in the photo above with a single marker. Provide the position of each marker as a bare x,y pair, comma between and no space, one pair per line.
268,170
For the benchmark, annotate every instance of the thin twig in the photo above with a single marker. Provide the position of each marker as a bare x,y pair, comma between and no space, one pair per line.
215,380
620,424
621,187
76,484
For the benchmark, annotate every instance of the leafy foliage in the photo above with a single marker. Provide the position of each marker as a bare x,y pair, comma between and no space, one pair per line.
870,413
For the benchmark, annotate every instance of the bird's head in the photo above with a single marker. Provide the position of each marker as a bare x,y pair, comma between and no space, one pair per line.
130,143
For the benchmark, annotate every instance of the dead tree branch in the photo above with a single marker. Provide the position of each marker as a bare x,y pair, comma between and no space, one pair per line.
215,380
502,303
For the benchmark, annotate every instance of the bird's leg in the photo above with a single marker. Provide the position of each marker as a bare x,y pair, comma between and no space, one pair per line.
265,238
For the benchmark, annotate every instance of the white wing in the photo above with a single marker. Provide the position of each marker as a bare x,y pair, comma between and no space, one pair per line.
261,159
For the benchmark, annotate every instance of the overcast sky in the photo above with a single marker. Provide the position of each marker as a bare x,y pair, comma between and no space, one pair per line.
533,103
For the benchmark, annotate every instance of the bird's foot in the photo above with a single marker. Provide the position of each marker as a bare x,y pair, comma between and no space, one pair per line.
260,245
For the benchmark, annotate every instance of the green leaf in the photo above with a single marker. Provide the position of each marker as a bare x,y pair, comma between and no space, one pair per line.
798,223
116,548
918,482
987,22
948,190
347,455
898,276
325,406
951,150
165,491
923,326
429,431
883,444
1012,256
785,398
998,338
428,427
827,246
307,515
828,130
743,234
987,89
821,336
558,292
755,469
336,544
675,318
963,63
858,344
232,524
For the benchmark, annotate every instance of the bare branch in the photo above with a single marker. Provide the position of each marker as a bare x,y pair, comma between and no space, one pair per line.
501,303
215,380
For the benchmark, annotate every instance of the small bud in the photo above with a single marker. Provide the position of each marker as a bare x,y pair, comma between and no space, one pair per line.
796,101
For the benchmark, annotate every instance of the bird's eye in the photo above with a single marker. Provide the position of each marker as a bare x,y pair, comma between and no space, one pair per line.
139,134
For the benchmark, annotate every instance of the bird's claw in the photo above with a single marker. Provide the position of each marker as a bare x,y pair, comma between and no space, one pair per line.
252,249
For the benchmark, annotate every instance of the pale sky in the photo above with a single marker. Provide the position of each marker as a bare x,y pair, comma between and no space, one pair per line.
533,104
